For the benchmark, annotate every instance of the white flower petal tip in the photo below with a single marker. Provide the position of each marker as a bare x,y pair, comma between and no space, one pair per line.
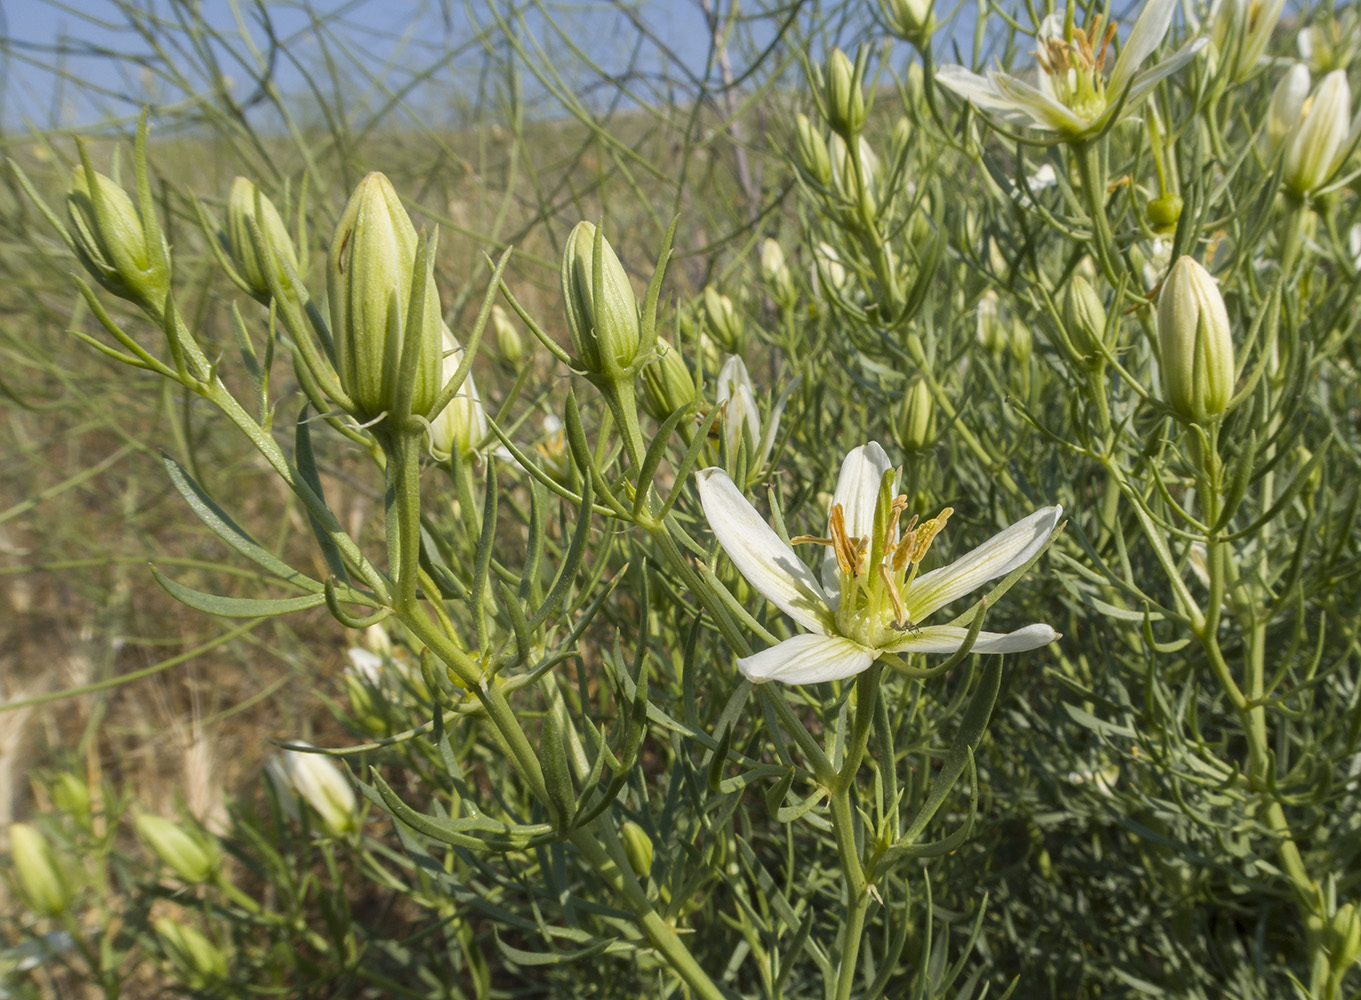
948,639
807,659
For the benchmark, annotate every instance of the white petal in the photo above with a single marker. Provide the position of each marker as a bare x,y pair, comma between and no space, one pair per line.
948,638
807,659
1042,109
1147,79
975,88
1146,35
998,556
857,490
768,563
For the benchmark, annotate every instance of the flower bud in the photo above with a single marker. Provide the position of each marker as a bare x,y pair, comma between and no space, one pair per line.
1022,342
844,171
725,323
667,383
508,341
843,97
1318,143
1084,320
318,782
370,275
461,426
71,795
911,20
1285,109
43,881
918,426
197,962
990,331
777,276
810,151
112,242
637,848
1344,937
240,244
605,334
193,858
1196,343
827,266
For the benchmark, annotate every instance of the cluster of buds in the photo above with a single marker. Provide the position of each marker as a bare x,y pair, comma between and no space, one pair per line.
1196,343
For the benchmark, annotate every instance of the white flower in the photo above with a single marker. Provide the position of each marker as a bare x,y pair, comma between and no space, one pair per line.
737,399
317,781
1074,97
870,599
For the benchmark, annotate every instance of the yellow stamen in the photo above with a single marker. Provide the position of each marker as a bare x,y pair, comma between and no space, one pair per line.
928,532
848,555
900,618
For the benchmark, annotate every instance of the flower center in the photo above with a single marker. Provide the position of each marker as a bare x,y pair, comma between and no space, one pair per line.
1076,68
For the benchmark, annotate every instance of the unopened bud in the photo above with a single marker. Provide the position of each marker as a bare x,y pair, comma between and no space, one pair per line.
43,880
240,244
844,171
1344,937
918,427
1317,145
462,425
910,20
71,795
667,383
843,97
990,332
1196,343
197,962
605,333
112,242
828,267
1084,319
317,782
370,276
637,848
725,323
810,151
508,340
777,275
1285,109
1022,342
193,858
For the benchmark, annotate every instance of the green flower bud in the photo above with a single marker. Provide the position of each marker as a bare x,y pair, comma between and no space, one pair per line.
197,962
911,20
1022,343
1084,319
1196,343
918,425
605,333
725,323
460,427
1318,143
843,171
43,881
193,858
240,244
810,152
112,242
843,97
1285,109
71,795
1344,937
777,276
827,266
508,341
667,383
369,277
991,333
637,848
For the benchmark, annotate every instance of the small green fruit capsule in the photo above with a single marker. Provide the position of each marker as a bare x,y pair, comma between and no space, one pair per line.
369,276
810,151
112,243
918,426
638,848
724,321
1196,343
667,383
1084,318
44,882
196,961
1164,212
240,244
605,333
509,343
844,98
193,858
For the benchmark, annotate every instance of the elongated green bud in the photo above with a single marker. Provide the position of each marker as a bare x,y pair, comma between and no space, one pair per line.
370,275
43,880
240,244
197,962
1344,937
810,151
844,98
1084,317
193,858
605,333
1196,343
112,242
911,20
918,426
508,340
1317,145
778,278
724,321
637,848
667,383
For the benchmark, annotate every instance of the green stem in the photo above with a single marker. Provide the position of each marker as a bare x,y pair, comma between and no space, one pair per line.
1088,157
404,512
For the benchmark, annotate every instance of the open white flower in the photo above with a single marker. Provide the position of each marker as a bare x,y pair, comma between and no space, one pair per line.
1075,98
736,397
870,600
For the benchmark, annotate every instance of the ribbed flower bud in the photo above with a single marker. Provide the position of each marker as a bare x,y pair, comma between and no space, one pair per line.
844,171
1344,937
316,781
509,343
991,333
44,882
667,383
911,20
843,97
1084,318
827,266
461,426
1196,343
71,795
370,274
1318,143
810,151
918,426
193,858
637,848
112,242
605,333
1285,109
724,321
197,962
776,274
240,244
